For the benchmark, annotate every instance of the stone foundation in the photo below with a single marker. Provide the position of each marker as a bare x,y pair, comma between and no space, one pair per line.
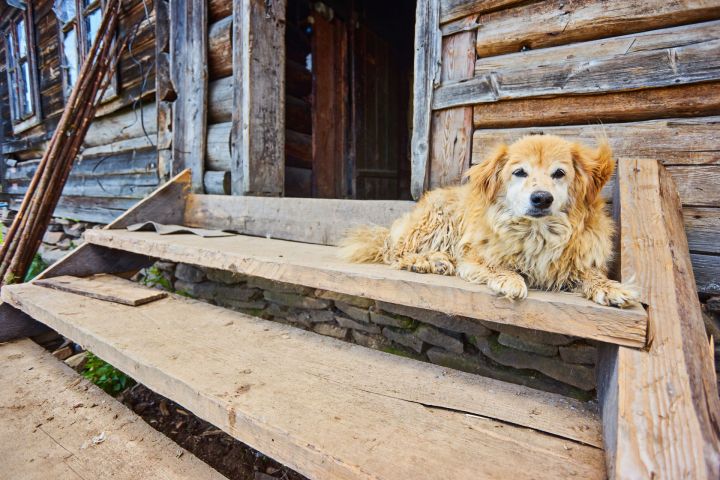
546,361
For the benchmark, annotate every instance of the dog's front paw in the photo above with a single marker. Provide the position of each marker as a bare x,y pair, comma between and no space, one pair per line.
441,264
615,294
510,285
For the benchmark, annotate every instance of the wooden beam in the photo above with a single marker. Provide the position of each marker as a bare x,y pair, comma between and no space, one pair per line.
345,410
189,50
454,9
258,129
617,64
426,75
661,411
15,324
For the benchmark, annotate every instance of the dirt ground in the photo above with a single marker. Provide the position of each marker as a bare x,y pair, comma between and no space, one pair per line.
228,456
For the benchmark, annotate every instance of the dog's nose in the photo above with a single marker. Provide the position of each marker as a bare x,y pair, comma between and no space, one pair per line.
541,199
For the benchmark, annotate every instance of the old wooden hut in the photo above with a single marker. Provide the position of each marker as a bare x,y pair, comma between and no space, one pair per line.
355,107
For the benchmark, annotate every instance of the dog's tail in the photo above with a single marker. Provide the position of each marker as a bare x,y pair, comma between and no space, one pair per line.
366,244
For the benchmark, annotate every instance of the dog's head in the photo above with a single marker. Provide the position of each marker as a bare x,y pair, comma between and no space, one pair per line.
543,175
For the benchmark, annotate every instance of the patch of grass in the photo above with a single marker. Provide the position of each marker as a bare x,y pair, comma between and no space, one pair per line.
155,278
105,376
37,266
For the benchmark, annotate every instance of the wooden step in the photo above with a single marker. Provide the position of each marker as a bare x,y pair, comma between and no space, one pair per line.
324,407
56,425
318,266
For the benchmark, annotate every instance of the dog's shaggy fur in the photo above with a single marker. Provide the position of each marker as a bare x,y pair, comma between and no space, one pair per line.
498,228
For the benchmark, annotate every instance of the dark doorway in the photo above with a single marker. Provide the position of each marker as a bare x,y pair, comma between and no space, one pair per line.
349,84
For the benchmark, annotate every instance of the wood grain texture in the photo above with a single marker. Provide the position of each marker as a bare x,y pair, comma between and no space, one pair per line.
218,9
661,411
105,287
454,9
661,58
451,129
122,125
258,134
16,324
49,418
693,100
220,48
217,183
189,50
538,25
426,76
318,266
345,409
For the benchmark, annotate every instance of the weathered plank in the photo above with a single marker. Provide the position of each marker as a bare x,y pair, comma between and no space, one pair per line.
426,75
451,129
122,125
189,50
687,54
544,24
454,9
217,183
220,48
134,185
661,411
318,266
702,226
258,132
693,100
102,286
15,324
51,415
706,268
676,141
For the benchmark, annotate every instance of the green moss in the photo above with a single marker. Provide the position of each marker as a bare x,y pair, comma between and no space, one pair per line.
105,376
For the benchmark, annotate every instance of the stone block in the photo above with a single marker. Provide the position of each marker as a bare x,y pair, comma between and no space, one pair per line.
391,320
349,299
579,353
239,305
281,287
189,273
452,323
217,291
578,376
51,255
52,238
295,301
165,266
535,336
77,362
377,342
75,230
404,338
356,313
225,276
433,336
355,325
330,330
527,345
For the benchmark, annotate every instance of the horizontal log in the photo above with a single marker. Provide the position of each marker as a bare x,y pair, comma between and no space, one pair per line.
545,24
135,185
693,100
218,9
299,146
298,79
123,125
707,272
454,9
217,154
691,141
216,183
298,115
703,229
689,54
87,209
220,100
220,48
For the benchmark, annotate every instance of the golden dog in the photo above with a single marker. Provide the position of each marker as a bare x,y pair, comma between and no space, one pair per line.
530,215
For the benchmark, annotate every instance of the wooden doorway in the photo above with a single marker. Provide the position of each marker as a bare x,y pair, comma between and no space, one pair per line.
349,83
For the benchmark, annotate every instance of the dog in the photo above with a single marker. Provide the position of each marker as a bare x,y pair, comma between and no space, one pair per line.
529,215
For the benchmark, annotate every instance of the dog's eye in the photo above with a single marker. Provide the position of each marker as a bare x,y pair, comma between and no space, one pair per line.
520,172
559,173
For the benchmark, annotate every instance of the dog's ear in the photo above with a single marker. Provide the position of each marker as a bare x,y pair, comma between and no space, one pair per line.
485,177
593,167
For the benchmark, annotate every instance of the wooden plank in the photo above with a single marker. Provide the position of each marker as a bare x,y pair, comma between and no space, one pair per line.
661,58
425,77
693,100
454,9
105,287
50,416
676,141
319,266
661,411
345,409
17,324
189,42
220,48
451,129
538,25
322,221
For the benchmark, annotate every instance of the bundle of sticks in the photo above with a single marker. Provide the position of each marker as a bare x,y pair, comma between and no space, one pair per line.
28,227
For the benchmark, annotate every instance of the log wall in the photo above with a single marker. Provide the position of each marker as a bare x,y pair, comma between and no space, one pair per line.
118,164
645,73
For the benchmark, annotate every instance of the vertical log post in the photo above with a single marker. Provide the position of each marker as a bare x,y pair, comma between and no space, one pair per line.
258,126
165,91
188,44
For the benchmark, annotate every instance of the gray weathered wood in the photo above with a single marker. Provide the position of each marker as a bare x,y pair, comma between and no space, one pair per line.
102,286
454,9
217,183
706,268
661,58
189,50
134,185
122,125
258,144
426,75
218,155
220,48
15,323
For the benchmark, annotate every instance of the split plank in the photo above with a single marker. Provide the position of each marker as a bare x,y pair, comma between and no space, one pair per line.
661,411
49,416
318,266
538,25
661,58
104,287
346,409
693,100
